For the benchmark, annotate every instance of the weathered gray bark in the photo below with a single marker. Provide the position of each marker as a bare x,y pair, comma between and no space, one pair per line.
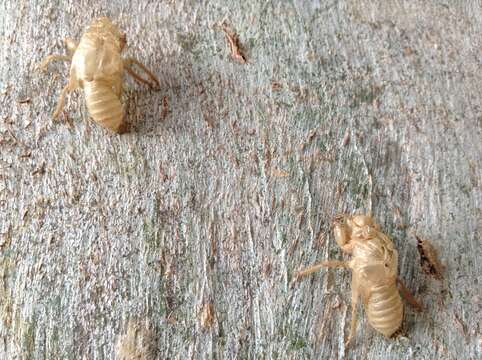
224,198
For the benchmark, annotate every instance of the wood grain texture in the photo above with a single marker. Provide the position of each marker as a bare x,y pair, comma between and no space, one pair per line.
342,106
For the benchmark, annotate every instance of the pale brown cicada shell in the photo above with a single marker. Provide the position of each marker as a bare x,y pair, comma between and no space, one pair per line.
374,266
98,68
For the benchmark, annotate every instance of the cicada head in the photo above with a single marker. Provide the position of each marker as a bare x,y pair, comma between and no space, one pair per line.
363,226
104,28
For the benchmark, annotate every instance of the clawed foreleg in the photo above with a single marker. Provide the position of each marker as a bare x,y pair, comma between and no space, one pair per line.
314,268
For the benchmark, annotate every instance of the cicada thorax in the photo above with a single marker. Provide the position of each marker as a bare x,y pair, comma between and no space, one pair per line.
374,266
98,54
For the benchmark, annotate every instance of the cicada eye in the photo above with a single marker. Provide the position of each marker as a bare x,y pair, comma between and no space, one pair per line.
340,219
123,41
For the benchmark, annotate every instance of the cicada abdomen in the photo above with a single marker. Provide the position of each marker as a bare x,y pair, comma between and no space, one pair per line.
104,105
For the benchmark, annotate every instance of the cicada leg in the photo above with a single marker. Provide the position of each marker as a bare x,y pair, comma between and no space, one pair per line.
314,268
354,304
128,62
43,65
60,105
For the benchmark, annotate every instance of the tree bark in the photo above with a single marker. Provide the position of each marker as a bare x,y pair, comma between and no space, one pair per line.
195,222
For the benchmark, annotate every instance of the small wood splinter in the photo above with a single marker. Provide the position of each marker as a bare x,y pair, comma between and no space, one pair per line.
233,40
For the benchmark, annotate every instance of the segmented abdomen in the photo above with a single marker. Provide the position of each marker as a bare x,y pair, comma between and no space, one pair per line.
385,309
104,106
